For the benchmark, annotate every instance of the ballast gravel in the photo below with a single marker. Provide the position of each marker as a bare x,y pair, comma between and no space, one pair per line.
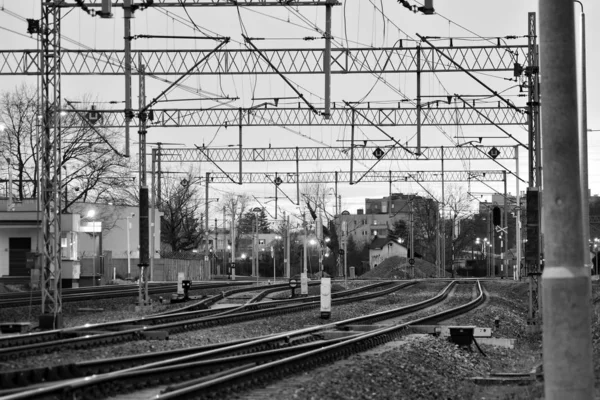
220,334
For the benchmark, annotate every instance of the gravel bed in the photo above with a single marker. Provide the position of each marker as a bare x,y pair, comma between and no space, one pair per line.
282,323
424,367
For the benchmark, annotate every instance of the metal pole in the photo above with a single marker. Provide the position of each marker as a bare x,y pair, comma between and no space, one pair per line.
233,235
443,250
94,253
583,146
505,234
10,184
337,211
518,222
144,231
128,252
153,208
352,147
412,237
566,291
287,250
127,61
297,176
217,267
418,100
305,256
206,260
240,142
255,249
327,61
159,175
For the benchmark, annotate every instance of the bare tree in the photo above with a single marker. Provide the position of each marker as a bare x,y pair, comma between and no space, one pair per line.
235,205
92,169
182,222
458,208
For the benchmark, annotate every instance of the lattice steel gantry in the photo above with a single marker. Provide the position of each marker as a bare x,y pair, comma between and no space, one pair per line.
50,71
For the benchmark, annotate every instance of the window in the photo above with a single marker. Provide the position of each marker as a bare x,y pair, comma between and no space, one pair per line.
262,241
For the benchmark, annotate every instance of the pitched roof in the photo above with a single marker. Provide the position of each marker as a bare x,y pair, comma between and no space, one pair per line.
380,243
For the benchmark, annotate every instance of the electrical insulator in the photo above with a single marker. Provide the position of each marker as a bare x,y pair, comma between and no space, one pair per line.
106,10
427,8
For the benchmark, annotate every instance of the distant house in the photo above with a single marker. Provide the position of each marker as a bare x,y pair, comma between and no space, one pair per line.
382,248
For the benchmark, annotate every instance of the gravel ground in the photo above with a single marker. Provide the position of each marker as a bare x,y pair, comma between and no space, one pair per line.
419,367
231,332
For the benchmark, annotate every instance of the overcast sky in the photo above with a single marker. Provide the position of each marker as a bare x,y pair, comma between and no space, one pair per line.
357,23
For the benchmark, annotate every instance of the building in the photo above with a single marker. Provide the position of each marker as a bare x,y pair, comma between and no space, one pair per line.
381,215
383,248
86,238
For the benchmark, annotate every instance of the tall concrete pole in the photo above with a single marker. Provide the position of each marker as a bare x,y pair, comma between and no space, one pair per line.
583,146
327,61
287,247
152,214
567,338
504,248
128,14
443,252
418,99
206,259
144,231
518,222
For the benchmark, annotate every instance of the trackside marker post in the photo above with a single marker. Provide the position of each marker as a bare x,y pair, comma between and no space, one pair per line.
325,298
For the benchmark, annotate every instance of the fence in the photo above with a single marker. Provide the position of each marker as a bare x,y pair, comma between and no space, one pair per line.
164,269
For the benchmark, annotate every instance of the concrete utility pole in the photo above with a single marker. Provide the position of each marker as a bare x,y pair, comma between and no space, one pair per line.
583,146
144,231
206,260
566,294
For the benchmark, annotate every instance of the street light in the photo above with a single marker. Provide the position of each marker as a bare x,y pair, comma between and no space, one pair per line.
274,256
90,215
256,211
128,252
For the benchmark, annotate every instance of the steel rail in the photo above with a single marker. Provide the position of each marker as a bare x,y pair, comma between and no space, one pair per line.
201,362
309,359
203,367
25,298
93,335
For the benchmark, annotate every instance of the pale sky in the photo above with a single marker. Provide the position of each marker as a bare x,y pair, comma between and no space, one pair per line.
475,22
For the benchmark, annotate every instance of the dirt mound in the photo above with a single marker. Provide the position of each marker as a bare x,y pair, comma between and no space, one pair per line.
398,268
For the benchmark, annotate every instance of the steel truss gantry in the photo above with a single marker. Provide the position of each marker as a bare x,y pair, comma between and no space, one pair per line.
370,176
286,61
328,154
48,62
303,116
212,3
50,71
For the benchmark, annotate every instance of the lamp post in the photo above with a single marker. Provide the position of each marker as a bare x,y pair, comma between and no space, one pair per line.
256,211
90,215
128,251
274,256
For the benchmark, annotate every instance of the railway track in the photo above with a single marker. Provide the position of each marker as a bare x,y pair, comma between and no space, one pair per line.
20,299
211,372
175,322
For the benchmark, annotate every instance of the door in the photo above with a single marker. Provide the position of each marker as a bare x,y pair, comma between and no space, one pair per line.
17,249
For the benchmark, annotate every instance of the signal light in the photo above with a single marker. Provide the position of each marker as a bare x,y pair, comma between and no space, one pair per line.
497,216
